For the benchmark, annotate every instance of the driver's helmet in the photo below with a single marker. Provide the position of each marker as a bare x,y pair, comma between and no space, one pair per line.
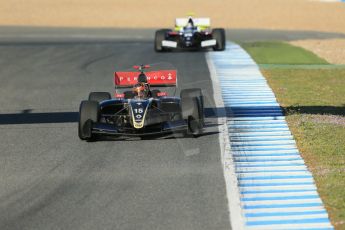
190,23
140,90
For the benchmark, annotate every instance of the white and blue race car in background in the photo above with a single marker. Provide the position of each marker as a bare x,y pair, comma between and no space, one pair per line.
190,33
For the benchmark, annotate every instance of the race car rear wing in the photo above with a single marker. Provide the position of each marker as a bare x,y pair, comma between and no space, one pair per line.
201,22
161,78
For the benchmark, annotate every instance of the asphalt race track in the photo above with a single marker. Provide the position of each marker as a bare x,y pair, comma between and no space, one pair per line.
49,179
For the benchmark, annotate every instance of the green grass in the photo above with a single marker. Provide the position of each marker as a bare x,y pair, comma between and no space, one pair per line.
311,87
281,53
322,144
314,102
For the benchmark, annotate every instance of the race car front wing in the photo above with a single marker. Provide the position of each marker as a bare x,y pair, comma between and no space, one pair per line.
165,128
203,44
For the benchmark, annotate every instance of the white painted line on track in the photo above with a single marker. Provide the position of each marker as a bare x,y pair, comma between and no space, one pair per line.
277,202
289,217
289,194
276,190
294,226
286,211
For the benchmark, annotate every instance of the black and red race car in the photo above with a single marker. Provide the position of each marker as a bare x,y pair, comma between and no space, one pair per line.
190,33
142,106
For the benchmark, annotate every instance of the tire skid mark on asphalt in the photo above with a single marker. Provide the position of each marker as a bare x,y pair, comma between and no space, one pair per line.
276,190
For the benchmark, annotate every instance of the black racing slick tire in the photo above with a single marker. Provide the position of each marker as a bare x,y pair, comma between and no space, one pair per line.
194,93
88,113
192,110
219,35
99,96
159,37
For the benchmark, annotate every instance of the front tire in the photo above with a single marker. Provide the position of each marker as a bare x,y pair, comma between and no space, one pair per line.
197,93
192,110
88,114
219,35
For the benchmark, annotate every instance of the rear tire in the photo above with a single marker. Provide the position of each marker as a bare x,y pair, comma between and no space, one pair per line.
159,37
219,35
99,96
88,114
